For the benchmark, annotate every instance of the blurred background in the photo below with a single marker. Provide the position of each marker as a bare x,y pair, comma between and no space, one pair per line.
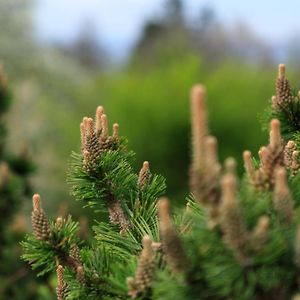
139,59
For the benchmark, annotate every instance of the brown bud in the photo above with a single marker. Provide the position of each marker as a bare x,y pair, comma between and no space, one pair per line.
40,222
104,124
275,136
281,71
62,288
99,113
283,89
232,221
171,243
59,222
74,253
248,164
116,130
145,270
260,233
82,134
144,176
199,124
80,277
282,198
230,165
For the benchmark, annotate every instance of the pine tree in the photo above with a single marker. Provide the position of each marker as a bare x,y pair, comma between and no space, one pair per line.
236,239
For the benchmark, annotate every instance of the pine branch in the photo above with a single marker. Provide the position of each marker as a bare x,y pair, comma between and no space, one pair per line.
234,240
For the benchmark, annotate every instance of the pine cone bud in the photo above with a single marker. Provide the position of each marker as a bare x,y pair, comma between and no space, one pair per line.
80,275
62,287
204,183
74,253
230,165
199,125
39,220
260,233
59,222
289,148
171,243
117,216
282,198
115,131
104,124
132,287
248,164
145,270
283,89
99,113
275,136
144,176
271,157
232,221
295,162
82,135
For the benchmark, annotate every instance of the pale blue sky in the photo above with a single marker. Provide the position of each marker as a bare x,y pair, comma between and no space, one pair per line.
118,22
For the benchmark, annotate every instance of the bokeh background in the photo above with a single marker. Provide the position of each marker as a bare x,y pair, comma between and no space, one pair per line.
139,59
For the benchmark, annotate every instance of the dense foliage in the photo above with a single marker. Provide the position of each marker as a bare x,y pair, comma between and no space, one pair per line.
234,240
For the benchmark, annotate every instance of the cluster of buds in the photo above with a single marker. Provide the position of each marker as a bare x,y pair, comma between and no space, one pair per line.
271,157
62,287
235,233
95,139
144,272
76,263
205,168
284,94
39,220
291,157
171,243
73,258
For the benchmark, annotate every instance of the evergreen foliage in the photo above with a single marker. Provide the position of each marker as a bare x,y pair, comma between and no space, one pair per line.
236,239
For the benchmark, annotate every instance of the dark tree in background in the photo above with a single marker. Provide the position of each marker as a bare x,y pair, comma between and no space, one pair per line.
86,49
15,280
174,34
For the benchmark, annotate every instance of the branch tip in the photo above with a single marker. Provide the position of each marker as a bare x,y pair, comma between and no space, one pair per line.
146,165
115,130
36,201
104,125
281,71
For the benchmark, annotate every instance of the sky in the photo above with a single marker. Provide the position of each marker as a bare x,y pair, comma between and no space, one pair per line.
118,23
